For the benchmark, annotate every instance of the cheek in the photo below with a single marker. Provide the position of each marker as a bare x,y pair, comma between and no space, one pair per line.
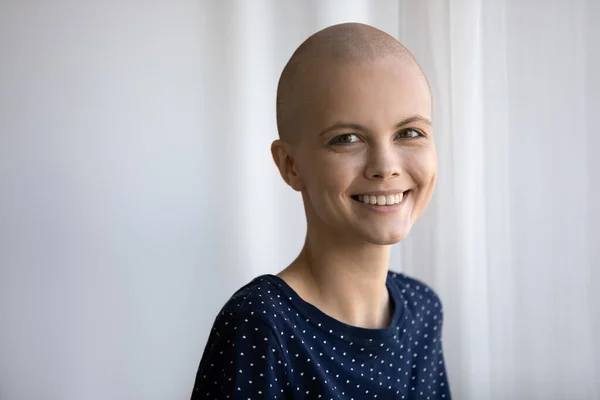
422,166
330,172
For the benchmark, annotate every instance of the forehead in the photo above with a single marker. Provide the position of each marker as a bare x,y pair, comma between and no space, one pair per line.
376,94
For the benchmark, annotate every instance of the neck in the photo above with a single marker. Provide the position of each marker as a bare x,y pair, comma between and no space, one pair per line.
345,280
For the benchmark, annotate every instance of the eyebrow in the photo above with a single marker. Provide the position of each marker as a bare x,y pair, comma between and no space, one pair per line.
406,121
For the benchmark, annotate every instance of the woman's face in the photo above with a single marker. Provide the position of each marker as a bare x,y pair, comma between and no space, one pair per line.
367,140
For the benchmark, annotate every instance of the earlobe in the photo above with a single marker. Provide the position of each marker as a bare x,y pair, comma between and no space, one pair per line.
284,161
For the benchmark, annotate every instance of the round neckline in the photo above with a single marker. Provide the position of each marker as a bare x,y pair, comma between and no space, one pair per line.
332,326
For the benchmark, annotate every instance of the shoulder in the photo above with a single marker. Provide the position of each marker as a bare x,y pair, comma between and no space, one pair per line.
243,353
252,305
416,292
255,296
409,284
244,319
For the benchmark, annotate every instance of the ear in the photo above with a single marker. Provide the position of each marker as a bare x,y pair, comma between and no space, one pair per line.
283,157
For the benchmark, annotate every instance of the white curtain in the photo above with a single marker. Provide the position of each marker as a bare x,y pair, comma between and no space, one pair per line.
511,239
138,192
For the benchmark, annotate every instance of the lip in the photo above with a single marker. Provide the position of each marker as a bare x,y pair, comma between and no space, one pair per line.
384,209
382,192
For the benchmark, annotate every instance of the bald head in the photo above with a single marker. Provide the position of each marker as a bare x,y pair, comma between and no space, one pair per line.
321,55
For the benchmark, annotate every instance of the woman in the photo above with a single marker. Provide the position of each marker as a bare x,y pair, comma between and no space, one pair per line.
353,114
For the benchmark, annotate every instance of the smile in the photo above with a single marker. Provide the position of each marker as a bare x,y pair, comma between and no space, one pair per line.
380,200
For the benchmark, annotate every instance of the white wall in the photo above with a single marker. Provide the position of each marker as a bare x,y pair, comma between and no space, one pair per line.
131,135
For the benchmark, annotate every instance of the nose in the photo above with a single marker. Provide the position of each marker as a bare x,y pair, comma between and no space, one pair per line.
383,163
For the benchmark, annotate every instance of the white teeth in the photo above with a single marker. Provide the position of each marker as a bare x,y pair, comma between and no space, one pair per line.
381,200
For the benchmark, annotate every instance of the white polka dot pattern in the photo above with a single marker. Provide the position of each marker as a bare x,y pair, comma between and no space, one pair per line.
267,343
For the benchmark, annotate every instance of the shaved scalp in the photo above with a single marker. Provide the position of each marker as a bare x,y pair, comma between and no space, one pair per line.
326,50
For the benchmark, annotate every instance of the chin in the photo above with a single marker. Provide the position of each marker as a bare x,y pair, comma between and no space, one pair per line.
385,238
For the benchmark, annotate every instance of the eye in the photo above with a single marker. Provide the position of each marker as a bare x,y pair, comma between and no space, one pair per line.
346,138
409,134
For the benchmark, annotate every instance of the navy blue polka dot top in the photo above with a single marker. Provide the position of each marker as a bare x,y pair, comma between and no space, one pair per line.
268,343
